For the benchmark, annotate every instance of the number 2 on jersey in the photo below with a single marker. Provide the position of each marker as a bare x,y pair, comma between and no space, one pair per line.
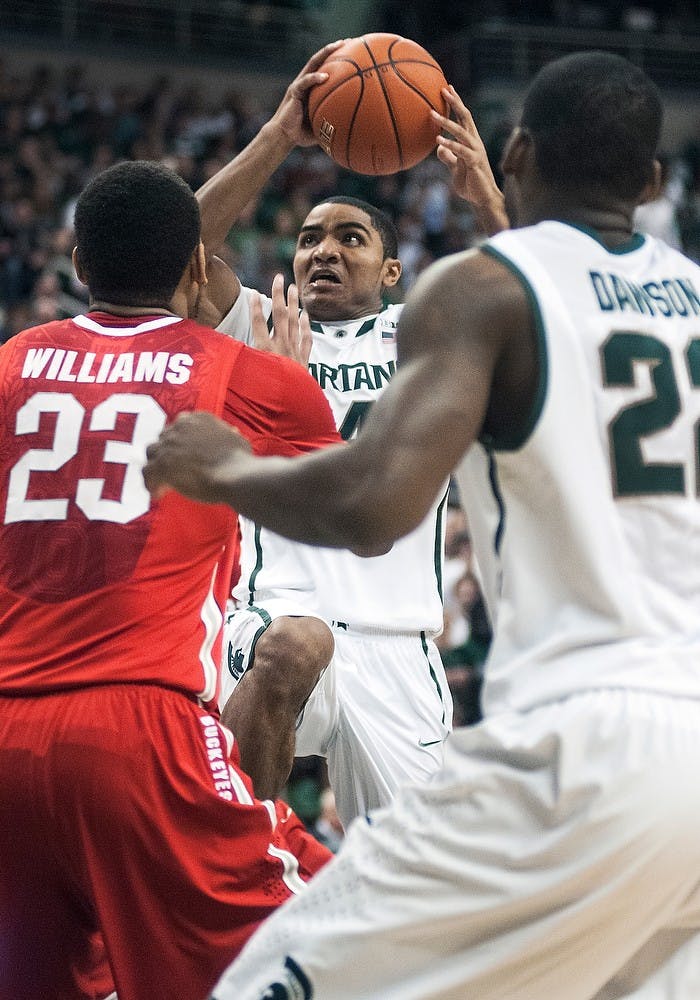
632,475
70,418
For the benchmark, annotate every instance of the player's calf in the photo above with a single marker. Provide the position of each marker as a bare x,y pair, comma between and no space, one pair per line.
288,660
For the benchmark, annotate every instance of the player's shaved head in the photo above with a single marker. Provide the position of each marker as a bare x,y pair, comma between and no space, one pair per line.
596,120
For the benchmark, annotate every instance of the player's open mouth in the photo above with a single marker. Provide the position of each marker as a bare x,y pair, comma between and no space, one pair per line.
320,278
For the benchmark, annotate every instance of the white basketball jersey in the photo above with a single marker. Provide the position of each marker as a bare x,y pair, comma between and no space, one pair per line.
587,533
401,591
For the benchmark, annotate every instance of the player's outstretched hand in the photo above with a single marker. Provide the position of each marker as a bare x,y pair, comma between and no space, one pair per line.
291,330
291,116
193,455
464,154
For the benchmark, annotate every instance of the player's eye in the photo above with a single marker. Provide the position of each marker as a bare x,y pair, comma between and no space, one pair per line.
354,239
307,240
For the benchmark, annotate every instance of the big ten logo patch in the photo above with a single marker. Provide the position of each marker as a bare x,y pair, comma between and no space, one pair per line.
217,755
326,134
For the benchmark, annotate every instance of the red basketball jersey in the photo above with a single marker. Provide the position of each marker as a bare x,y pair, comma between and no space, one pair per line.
98,583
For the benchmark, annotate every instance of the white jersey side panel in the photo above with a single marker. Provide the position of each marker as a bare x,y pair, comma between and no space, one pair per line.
400,591
588,533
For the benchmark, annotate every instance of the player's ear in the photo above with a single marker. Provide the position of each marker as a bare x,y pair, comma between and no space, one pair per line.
82,276
516,150
392,272
198,265
652,190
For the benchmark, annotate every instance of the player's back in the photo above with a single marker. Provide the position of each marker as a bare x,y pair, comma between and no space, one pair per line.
587,531
97,583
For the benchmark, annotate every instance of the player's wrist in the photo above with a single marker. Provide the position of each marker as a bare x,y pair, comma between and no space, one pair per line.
278,136
491,214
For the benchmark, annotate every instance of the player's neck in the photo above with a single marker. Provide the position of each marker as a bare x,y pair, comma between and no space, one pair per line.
336,320
611,222
99,305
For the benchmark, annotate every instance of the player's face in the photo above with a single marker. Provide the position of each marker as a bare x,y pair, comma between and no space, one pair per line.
339,264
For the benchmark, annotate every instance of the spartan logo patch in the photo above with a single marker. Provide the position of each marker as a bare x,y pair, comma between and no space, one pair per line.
293,986
236,662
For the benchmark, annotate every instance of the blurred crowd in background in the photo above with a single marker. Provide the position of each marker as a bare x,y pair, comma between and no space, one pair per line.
56,132
434,19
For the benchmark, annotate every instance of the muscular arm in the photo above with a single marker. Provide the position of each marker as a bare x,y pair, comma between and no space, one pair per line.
224,196
462,336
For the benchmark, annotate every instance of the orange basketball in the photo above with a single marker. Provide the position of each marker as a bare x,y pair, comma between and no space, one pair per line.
372,114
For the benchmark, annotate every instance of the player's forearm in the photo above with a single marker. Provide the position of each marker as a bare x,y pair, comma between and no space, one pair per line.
224,196
321,499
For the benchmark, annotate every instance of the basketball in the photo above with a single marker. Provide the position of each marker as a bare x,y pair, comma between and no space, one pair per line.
372,114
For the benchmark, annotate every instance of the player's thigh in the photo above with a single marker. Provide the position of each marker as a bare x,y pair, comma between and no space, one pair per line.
548,851
317,723
50,945
394,685
174,853
395,713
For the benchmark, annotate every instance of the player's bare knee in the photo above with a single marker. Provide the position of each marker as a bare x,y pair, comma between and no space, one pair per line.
291,656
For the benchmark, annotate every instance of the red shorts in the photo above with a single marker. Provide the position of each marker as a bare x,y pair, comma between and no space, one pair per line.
122,812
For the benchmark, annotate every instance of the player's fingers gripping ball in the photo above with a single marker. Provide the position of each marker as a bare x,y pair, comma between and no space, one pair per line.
372,114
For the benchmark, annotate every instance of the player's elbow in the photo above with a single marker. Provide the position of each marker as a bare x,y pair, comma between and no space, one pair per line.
371,549
365,537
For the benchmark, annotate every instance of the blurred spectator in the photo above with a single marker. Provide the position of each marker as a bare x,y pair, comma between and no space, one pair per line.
689,211
464,661
328,828
309,794
466,637
458,561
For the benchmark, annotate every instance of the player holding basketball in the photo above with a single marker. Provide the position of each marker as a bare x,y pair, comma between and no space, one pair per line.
557,854
381,712
124,810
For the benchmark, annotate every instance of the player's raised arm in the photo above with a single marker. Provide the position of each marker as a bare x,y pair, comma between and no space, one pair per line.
368,493
224,196
464,153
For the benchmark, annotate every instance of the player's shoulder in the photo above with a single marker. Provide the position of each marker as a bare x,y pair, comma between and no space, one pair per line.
42,333
379,327
389,315
479,275
387,321
391,310
275,369
42,330
680,262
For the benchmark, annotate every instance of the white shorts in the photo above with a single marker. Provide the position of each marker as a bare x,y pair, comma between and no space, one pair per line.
379,714
556,855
